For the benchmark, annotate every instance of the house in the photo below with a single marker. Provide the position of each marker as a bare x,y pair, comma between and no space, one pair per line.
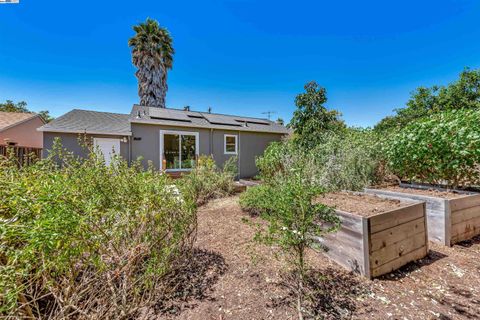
20,129
171,139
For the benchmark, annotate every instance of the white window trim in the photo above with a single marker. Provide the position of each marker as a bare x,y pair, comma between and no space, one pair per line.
225,136
184,133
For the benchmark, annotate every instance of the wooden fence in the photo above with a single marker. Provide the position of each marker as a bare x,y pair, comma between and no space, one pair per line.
24,155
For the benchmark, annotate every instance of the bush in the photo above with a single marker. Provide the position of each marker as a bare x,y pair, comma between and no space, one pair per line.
345,161
442,149
350,161
88,240
207,181
294,219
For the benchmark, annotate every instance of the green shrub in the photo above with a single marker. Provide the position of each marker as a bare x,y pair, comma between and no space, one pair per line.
346,161
294,219
82,239
441,149
207,181
350,161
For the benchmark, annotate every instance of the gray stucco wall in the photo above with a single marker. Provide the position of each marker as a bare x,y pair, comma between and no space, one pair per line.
149,145
251,145
70,142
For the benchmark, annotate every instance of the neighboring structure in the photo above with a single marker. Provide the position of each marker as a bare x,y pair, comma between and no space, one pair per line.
171,139
20,129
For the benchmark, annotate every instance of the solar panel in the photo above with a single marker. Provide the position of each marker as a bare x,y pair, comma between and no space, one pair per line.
219,119
168,114
251,120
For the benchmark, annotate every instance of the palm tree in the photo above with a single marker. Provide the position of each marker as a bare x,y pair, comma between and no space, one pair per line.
152,54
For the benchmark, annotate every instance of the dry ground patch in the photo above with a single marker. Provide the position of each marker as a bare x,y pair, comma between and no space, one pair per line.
231,277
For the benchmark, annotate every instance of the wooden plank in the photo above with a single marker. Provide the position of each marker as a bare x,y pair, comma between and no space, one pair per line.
388,237
465,202
465,214
346,245
366,248
396,217
350,221
397,263
397,250
466,227
465,236
433,203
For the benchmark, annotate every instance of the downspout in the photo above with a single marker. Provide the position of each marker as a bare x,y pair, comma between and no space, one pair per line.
238,155
129,150
211,142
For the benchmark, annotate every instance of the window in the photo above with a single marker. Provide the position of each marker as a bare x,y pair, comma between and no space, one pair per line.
178,150
230,143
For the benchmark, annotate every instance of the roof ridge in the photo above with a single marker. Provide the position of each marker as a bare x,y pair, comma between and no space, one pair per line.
107,112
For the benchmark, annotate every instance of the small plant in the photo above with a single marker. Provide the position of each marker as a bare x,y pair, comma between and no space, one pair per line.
294,220
207,181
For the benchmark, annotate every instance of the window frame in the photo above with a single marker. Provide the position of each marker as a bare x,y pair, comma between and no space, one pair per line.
179,133
225,136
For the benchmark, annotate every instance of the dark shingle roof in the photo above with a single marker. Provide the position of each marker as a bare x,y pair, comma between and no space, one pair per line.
175,117
94,122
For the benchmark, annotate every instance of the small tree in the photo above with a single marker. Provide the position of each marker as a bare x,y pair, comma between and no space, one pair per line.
312,119
294,220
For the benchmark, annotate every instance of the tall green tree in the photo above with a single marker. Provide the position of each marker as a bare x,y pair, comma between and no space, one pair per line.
311,120
464,93
21,106
152,54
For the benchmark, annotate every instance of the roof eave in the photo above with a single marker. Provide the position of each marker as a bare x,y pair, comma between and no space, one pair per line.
85,132
192,125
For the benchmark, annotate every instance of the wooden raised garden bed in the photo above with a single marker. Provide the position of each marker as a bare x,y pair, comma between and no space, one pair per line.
453,216
376,235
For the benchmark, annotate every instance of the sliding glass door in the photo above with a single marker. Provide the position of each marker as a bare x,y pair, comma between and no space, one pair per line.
178,149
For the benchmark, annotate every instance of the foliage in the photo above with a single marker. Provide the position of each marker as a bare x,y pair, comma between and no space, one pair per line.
10,106
81,239
463,93
312,120
349,160
294,219
152,54
444,148
207,181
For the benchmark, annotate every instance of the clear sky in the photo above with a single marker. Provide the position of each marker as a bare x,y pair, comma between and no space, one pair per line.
239,56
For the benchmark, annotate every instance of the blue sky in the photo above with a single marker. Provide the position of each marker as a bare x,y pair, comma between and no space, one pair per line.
240,57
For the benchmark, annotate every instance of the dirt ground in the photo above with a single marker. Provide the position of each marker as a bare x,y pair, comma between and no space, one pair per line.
361,204
237,278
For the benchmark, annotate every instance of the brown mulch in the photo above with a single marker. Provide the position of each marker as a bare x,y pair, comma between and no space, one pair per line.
426,192
361,204
240,279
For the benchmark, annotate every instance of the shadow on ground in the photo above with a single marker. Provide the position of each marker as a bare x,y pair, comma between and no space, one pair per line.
192,282
432,257
330,293
469,243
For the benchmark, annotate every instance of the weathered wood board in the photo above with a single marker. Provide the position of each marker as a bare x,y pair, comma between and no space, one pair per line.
376,245
449,220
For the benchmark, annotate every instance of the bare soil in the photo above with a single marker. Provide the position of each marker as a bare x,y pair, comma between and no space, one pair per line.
231,277
361,204
426,192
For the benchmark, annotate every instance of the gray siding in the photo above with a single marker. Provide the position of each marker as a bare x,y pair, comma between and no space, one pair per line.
145,143
252,145
70,142
149,145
